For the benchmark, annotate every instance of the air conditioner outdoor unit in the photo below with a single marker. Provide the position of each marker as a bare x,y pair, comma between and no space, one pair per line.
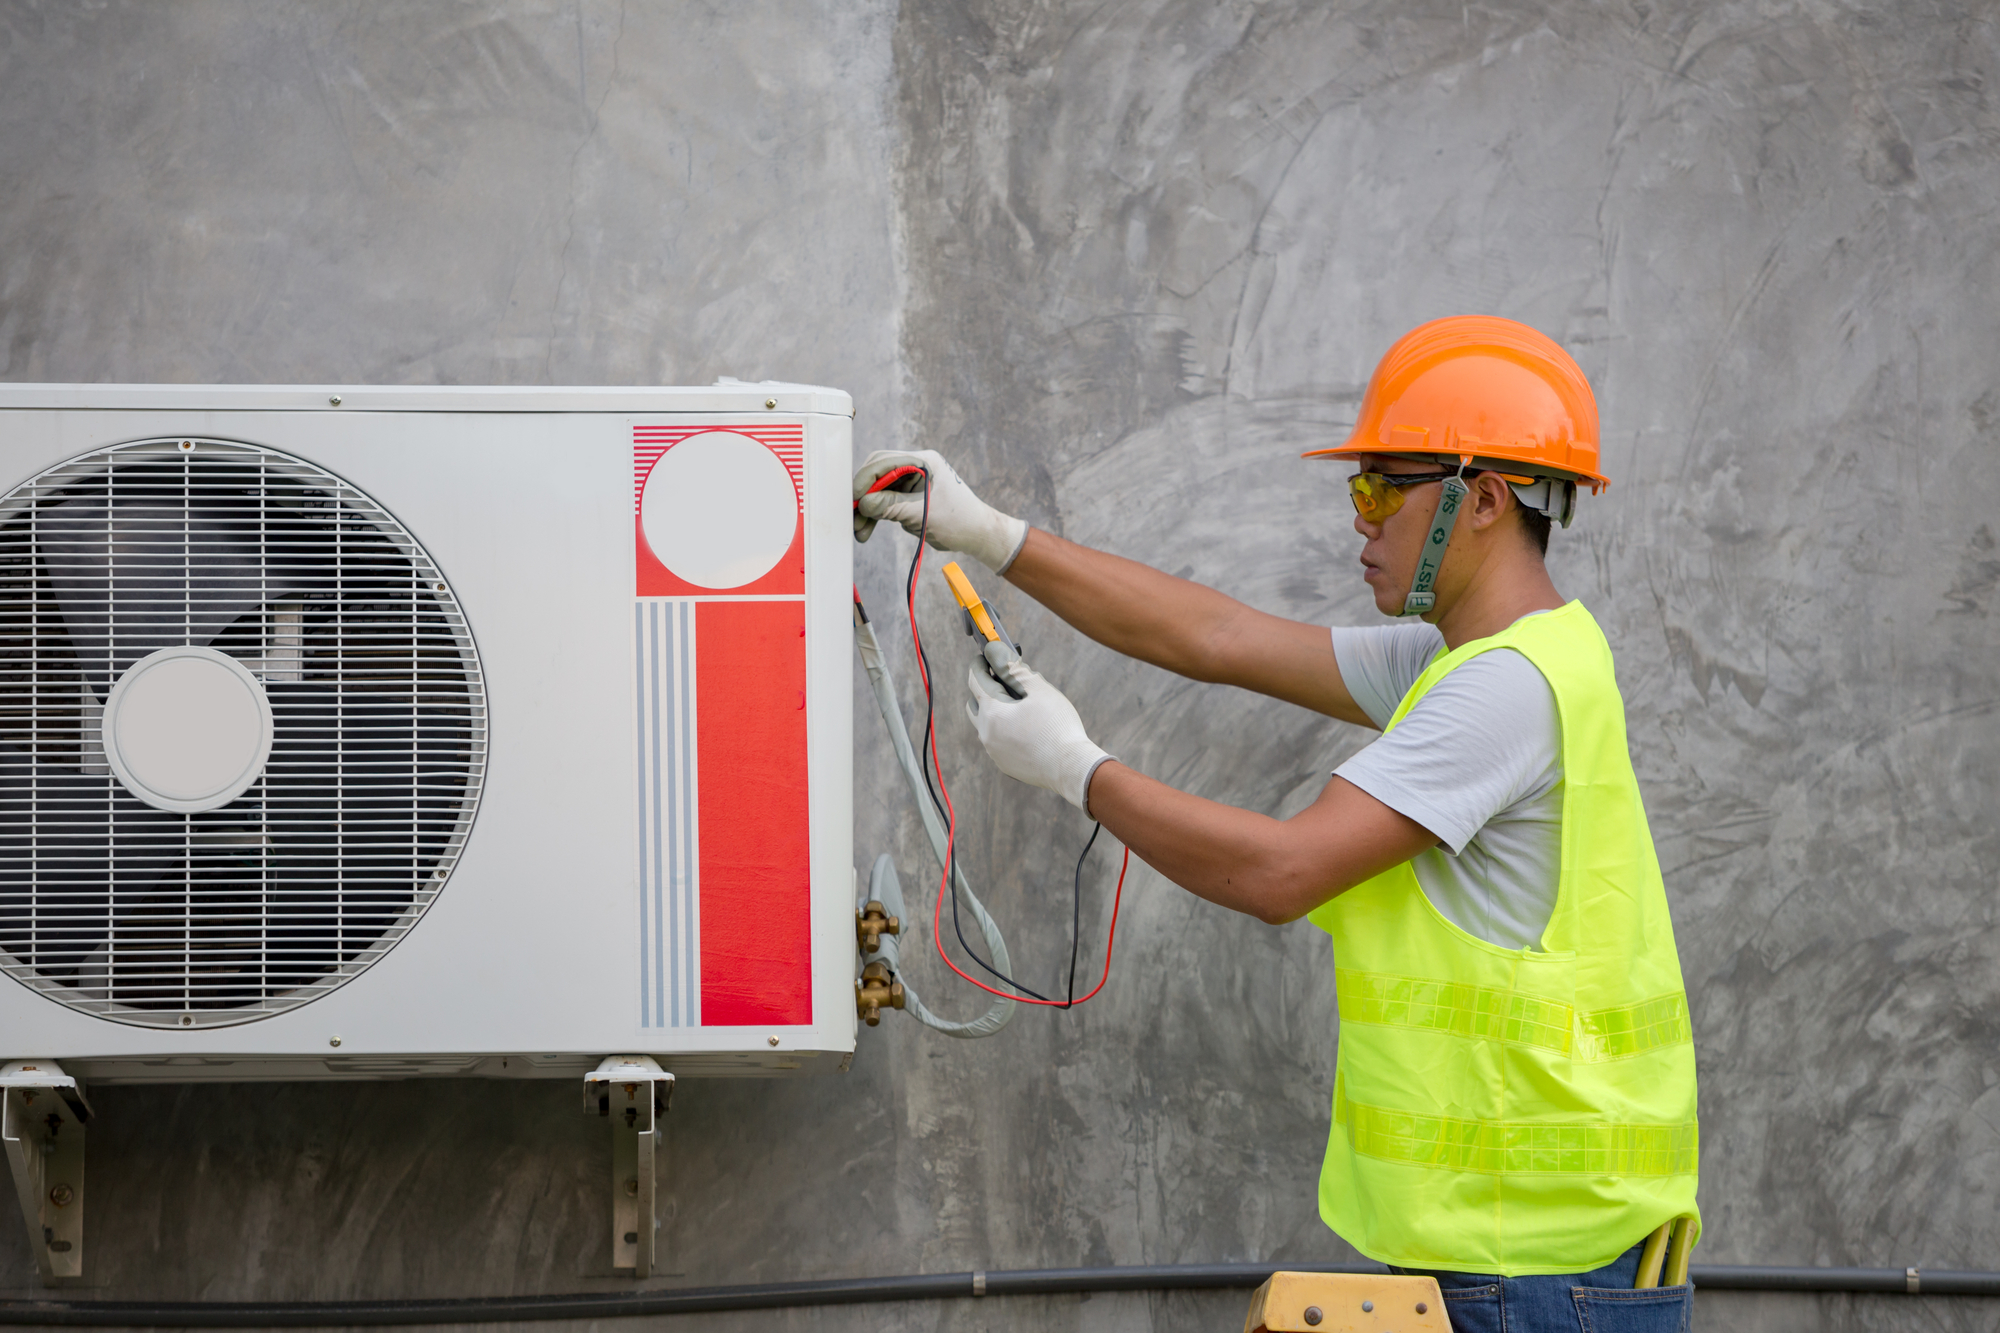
378,732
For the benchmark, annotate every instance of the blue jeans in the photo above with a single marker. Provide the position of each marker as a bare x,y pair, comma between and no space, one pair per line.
1600,1301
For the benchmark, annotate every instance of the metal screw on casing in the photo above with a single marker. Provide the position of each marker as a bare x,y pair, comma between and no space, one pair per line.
774,1041
770,403
1313,1315
61,1196
334,399
333,1041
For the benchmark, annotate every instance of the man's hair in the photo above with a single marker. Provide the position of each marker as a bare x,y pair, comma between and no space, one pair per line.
1536,524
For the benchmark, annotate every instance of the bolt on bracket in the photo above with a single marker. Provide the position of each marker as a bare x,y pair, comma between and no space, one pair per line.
42,1115
633,1092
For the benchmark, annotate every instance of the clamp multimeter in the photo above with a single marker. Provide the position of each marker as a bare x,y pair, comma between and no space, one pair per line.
982,622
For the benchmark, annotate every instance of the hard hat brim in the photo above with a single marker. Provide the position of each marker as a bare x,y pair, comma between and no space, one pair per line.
1485,459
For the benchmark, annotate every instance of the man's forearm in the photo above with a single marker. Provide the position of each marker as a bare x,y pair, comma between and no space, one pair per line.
1188,629
1128,607
1214,851
1275,870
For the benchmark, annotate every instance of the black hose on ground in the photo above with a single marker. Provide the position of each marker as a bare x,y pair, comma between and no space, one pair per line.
849,1291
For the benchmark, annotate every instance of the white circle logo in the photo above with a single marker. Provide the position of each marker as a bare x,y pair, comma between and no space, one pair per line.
719,510
187,729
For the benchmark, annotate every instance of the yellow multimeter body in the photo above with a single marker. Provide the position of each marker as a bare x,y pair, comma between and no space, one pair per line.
982,622
970,603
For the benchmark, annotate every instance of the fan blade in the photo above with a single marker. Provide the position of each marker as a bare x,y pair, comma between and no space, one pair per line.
360,798
62,835
262,896
134,575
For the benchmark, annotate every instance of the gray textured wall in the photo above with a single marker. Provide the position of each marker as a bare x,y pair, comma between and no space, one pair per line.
1123,262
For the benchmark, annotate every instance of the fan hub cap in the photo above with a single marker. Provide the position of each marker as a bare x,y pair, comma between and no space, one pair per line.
187,729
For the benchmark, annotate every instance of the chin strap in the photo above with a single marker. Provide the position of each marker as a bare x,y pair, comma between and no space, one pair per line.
1423,588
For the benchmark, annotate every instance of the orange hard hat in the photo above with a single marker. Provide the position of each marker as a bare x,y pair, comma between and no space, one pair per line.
1483,388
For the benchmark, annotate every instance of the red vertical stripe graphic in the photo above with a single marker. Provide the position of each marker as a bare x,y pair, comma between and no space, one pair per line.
756,939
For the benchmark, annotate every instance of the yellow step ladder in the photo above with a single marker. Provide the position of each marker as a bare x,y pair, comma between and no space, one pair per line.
1385,1303
1347,1303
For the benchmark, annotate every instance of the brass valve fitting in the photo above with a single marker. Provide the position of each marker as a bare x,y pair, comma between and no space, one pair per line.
875,991
871,923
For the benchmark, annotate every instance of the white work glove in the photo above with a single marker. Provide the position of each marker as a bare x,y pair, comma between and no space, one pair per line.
1038,739
959,519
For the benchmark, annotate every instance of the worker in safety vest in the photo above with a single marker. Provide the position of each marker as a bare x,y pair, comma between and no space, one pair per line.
1514,1106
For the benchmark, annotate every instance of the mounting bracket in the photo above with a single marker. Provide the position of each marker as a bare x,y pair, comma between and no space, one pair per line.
42,1114
634,1092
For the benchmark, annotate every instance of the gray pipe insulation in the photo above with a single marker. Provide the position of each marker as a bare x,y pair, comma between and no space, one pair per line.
883,884
850,1291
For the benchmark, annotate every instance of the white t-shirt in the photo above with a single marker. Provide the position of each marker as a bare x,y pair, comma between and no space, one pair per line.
1478,762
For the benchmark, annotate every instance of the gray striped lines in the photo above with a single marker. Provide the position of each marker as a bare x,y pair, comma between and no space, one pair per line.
669,832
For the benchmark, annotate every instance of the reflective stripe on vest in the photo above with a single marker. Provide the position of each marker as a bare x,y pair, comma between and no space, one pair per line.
1478,1011
1518,1111
1497,1148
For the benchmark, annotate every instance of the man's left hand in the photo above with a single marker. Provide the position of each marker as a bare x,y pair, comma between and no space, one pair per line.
1038,739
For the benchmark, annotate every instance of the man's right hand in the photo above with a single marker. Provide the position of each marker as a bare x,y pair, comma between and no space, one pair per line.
958,519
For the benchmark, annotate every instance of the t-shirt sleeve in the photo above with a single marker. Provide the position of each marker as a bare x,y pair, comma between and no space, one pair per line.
1379,663
1484,738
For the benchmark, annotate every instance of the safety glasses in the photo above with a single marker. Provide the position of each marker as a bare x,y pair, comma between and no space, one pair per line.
1379,494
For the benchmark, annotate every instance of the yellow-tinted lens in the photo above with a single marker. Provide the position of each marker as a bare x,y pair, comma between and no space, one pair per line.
1374,498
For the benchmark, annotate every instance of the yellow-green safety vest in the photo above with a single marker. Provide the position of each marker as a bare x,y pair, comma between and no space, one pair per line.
1518,1111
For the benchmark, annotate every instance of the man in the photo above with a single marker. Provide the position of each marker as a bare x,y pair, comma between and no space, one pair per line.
1514,1108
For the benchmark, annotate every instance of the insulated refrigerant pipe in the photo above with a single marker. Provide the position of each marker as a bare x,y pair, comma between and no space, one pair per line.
853,1291
882,883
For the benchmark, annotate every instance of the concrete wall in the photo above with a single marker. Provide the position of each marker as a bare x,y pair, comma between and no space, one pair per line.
1122,263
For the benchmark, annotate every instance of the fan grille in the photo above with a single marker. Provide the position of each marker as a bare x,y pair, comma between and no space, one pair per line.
229,915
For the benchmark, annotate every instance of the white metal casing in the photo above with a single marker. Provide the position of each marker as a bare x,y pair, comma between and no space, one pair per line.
528,963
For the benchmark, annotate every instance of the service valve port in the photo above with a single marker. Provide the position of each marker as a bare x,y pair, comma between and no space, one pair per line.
871,923
875,991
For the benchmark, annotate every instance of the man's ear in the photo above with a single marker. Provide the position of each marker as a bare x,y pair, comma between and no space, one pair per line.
1489,500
